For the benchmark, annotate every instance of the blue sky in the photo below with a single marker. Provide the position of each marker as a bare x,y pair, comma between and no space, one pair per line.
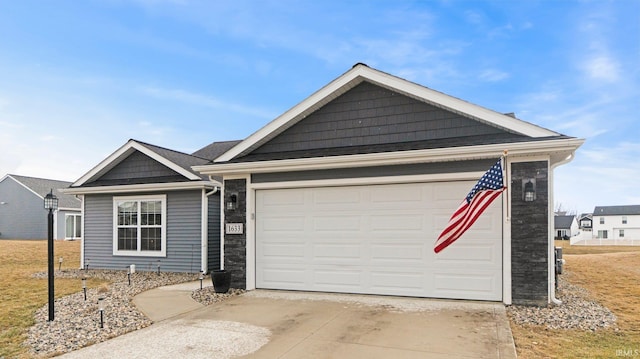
79,78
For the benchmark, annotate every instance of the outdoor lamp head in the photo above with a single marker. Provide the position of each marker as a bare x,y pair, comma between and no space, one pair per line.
100,304
84,282
529,192
50,201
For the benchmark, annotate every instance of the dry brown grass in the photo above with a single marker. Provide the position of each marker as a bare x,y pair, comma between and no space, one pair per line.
612,277
22,295
569,249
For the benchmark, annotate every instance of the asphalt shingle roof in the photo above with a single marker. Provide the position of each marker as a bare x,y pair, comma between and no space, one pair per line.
616,210
42,186
563,222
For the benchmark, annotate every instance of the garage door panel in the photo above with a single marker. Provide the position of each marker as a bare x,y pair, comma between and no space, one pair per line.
459,285
332,223
376,240
335,252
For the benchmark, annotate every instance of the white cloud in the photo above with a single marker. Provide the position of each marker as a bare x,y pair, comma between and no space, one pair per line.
602,67
198,99
493,75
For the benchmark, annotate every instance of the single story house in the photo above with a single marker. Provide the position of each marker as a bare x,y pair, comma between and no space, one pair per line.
144,205
347,192
22,213
617,222
565,226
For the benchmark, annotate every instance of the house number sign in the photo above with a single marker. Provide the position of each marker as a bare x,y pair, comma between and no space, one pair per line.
234,228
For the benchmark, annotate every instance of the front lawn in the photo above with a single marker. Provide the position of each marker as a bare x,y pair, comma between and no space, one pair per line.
611,275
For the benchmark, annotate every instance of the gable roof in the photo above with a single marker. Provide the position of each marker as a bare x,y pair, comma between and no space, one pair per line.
563,222
174,160
215,149
616,210
42,186
360,73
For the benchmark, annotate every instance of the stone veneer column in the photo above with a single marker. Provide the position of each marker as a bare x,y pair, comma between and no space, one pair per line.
529,235
235,245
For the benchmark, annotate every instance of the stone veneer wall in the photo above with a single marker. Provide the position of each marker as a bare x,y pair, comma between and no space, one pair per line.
235,245
529,235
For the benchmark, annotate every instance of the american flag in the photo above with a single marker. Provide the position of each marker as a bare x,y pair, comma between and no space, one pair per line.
487,189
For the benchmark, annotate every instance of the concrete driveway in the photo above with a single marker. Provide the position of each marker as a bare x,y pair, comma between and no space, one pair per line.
280,324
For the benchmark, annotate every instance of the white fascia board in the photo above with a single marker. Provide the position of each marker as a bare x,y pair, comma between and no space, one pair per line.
564,146
361,72
457,105
326,93
148,187
23,185
121,153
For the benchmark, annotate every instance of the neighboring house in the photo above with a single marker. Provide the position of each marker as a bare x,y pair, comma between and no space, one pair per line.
617,222
348,190
144,205
565,226
585,222
22,213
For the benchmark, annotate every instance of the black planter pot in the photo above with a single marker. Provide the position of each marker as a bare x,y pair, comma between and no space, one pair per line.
221,280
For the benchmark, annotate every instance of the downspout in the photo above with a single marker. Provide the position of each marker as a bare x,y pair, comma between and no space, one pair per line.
552,265
204,228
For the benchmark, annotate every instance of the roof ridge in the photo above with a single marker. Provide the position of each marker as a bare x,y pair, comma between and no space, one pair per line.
165,148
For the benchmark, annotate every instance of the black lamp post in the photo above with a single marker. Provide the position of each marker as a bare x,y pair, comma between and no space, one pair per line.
50,203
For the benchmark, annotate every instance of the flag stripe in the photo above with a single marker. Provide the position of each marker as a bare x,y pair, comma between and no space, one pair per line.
488,188
466,217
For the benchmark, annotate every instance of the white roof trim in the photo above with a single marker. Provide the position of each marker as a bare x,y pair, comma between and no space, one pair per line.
557,150
122,153
360,73
147,187
22,184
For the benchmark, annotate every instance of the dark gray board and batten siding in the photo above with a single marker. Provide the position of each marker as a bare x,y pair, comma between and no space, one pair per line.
183,234
370,115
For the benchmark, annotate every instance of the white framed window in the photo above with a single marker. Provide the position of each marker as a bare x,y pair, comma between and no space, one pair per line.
624,219
622,233
72,226
139,226
603,234
601,220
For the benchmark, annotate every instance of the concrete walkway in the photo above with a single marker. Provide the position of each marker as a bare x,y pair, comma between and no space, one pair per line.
167,302
281,324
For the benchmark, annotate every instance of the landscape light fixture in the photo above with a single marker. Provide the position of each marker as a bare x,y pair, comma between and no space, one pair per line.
86,265
158,267
129,274
51,204
201,277
84,287
101,310
60,264
529,190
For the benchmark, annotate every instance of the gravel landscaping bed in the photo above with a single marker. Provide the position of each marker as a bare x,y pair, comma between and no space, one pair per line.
77,322
577,311
208,296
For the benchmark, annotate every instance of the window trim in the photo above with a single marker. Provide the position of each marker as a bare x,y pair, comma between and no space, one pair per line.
77,218
139,252
601,220
624,219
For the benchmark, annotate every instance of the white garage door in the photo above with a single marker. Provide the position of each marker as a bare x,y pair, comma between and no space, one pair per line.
376,240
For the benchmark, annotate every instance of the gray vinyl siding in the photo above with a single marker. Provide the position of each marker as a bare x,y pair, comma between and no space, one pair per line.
396,170
138,168
183,234
213,233
370,115
23,215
